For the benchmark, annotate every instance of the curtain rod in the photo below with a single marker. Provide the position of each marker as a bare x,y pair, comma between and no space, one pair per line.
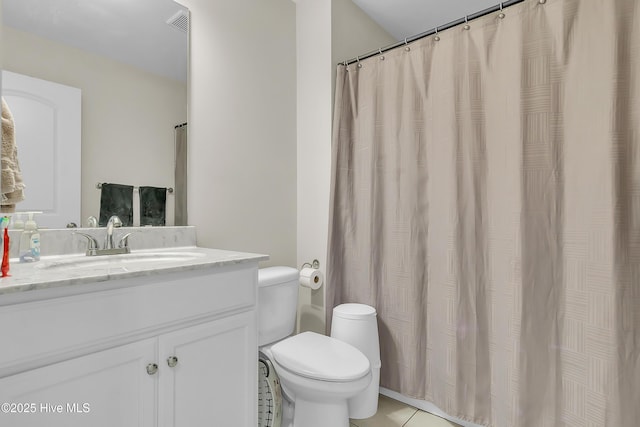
135,188
434,30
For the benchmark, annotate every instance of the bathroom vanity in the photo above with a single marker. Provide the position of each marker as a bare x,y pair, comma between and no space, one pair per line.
160,338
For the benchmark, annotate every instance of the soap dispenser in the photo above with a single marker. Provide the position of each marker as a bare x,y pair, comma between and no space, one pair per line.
30,241
18,223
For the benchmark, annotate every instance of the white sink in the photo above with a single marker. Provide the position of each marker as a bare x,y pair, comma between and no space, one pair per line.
134,259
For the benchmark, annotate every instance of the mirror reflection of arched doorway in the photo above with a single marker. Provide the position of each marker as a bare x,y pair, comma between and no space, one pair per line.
47,119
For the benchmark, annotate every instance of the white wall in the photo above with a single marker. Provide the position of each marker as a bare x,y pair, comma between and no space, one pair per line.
242,132
327,33
353,33
128,114
1,40
2,48
245,154
313,33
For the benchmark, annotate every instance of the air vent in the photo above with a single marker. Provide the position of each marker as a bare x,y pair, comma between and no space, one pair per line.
180,21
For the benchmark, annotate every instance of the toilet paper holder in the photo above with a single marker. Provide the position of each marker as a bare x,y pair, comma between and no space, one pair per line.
311,276
313,264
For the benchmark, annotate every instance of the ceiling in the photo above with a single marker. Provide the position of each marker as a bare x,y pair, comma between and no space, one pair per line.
133,32
406,18
136,32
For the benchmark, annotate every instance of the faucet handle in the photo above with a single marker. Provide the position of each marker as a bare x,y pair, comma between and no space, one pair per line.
92,242
92,222
124,241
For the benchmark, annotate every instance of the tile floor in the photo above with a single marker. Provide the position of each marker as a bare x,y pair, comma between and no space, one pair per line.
392,413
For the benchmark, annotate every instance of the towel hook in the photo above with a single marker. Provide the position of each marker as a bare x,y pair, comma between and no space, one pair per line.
437,37
466,23
501,15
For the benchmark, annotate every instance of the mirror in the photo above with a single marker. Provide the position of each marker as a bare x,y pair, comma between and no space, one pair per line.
128,59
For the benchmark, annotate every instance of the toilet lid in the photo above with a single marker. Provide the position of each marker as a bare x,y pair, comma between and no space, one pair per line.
320,357
354,311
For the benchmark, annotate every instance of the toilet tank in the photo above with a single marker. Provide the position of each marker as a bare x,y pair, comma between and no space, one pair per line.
277,303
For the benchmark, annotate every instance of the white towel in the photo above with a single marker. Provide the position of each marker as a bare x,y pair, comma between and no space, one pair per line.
12,185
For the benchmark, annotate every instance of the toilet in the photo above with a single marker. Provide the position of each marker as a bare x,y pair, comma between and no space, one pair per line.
307,379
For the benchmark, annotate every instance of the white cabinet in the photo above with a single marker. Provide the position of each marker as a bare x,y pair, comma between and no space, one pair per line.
211,383
175,352
103,389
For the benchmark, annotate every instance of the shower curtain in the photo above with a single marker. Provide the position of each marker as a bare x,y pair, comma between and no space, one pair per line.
180,208
486,200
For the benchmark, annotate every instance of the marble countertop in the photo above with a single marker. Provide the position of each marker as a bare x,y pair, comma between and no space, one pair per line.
78,269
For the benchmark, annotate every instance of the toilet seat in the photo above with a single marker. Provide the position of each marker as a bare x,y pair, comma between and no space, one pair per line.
319,357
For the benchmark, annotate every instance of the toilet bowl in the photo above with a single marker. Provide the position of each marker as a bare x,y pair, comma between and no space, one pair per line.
317,374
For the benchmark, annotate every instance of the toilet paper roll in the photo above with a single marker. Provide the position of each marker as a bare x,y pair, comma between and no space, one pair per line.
311,278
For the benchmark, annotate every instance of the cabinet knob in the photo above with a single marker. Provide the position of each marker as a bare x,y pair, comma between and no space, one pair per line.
152,368
172,361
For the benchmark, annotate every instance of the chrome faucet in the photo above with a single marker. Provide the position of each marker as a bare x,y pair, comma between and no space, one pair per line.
109,247
114,222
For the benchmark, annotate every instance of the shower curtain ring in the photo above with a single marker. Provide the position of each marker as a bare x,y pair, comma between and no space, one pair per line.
358,61
381,55
407,48
501,15
437,37
466,23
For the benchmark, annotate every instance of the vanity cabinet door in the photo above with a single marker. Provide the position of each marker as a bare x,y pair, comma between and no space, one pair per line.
209,374
104,389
